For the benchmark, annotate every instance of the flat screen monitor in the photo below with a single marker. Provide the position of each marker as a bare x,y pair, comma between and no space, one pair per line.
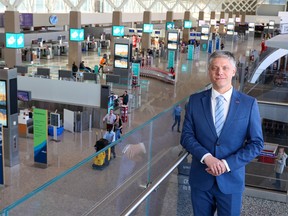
229,32
131,31
117,31
157,32
204,37
213,22
205,30
121,53
172,37
231,20
43,72
237,19
14,40
187,24
3,103
22,69
147,28
139,30
76,34
172,46
222,21
24,95
59,38
271,23
251,25
201,22
170,25
192,34
230,26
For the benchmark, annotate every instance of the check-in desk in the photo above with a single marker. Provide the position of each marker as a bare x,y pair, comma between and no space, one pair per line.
268,154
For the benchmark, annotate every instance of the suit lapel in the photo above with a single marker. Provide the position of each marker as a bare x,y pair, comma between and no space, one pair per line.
233,107
206,104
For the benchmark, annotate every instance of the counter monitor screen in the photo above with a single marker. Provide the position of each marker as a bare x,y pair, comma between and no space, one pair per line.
76,34
24,95
213,22
157,32
118,31
205,30
131,31
222,21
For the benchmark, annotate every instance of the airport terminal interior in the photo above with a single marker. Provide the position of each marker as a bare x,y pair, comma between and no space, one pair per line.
160,60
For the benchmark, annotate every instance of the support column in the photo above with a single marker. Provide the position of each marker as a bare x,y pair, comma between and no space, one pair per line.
243,17
169,18
230,15
12,57
75,54
200,17
186,32
237,14
146,38
212,17
221,25
116,21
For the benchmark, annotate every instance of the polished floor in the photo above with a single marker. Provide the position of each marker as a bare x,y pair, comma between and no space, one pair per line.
152,98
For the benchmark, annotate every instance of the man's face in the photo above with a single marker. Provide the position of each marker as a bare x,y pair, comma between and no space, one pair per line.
221,72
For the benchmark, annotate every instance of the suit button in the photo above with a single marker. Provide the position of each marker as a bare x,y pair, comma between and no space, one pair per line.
217,144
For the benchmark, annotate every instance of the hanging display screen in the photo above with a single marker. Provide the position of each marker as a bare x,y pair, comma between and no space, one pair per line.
121,52
76,34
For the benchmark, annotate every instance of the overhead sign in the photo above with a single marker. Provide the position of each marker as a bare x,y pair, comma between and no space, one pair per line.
169,25
76,34
14,40
118,31
53,19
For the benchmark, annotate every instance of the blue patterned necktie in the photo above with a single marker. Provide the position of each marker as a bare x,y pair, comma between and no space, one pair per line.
219,114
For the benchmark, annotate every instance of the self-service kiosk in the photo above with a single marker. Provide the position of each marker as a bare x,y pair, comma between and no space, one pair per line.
205,29
172,46
230,31
122,59
9,115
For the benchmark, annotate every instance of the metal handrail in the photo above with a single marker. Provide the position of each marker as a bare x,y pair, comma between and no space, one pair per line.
151,187
272,103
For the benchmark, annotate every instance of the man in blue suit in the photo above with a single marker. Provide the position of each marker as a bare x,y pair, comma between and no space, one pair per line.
222,130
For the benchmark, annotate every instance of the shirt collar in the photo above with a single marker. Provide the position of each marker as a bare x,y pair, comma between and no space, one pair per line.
227,95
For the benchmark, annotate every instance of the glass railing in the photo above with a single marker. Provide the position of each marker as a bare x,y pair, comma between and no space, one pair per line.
142,156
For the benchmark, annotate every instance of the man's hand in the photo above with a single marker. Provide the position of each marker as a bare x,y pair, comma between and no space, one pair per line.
216,167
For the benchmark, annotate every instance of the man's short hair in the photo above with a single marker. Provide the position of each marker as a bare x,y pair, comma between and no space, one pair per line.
222,54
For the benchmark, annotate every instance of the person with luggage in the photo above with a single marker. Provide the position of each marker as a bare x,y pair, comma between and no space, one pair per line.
83,67
109,118
101,161
110,136
102,62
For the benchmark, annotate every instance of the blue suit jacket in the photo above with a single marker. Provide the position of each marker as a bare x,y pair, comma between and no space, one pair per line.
240,141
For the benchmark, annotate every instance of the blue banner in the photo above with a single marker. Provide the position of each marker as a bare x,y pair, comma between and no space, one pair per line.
217,43
136,69
190,52
1,158
171,58
210,46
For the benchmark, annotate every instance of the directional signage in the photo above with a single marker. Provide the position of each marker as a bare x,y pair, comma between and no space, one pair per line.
148,28
187,24
76,34
14,40
118,31
170,25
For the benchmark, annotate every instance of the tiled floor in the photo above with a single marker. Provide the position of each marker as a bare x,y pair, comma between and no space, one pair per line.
151,99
